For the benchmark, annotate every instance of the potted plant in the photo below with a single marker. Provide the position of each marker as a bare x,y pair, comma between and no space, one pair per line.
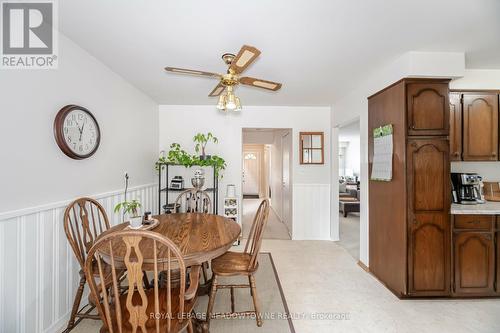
201,141
131,209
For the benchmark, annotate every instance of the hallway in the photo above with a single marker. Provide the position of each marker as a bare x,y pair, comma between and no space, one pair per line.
275,229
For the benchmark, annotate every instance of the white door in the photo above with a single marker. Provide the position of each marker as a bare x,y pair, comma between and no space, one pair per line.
251,172
286,144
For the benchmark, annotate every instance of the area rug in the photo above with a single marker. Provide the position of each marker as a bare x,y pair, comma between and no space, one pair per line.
276,316
275,313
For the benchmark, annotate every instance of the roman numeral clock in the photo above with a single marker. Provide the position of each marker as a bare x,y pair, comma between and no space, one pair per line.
76,132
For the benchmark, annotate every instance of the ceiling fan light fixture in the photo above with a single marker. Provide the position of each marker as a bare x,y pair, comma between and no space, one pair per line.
221,105
238,104
236,64
230,102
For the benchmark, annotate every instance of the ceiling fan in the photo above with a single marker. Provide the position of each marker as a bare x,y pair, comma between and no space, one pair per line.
236,65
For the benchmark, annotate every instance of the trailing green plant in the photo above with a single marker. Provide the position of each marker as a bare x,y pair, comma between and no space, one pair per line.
218,163
176,155
201,141
129,207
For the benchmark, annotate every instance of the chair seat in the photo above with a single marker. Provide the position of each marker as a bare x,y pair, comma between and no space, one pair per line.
232,263
177,323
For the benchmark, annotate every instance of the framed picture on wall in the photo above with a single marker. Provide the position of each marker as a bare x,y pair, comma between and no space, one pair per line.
311,148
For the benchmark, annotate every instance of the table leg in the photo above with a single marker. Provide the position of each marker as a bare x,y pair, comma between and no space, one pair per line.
204,288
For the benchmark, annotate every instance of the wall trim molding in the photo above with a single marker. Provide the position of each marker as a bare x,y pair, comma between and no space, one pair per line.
311,211
35,209
39,278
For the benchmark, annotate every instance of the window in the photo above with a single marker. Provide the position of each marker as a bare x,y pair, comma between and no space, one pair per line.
311,148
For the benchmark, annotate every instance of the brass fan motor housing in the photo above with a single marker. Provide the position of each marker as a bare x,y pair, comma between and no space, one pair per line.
229,79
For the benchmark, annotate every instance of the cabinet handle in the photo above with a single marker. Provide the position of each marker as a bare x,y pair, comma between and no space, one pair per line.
494,154
487,236
456,154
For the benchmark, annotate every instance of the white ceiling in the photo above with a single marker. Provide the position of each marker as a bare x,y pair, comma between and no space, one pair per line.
317,49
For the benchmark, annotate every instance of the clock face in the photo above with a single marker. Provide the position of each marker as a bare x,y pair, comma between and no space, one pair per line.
77,132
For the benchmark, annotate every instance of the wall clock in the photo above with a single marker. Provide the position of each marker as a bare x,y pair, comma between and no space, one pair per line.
76,132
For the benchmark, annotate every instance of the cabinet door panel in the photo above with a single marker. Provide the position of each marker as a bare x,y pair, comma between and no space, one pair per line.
497,242
428,165
428,170
480,128
428,108
474,263
429,256
455,127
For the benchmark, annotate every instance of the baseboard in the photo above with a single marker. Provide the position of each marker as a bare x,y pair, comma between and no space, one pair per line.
59,325
363,266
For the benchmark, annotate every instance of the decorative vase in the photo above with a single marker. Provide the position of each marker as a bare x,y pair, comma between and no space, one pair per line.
198,182
135,222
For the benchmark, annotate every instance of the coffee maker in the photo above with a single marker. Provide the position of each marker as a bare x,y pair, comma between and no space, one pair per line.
466,188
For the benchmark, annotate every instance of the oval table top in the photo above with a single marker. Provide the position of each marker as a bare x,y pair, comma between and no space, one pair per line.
199,236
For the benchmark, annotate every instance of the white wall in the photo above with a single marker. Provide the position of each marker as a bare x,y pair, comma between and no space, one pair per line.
355,104
258,137
34,170
277,173
180,123
350,134
38,271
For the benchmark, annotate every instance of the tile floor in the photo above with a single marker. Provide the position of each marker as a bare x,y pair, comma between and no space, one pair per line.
275,229
321,277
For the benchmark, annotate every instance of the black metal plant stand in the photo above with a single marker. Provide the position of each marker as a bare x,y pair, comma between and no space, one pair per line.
167,189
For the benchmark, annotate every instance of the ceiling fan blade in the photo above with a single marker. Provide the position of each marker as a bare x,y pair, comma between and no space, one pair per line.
244,58
251,81
217,90
191,72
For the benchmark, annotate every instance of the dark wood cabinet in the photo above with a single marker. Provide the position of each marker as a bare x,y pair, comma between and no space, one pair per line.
497,245
455,126
428,206
474,263
428,108
480,127
409,227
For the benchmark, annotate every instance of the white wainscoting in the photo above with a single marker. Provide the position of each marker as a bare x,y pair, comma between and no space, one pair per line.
311,212
38,270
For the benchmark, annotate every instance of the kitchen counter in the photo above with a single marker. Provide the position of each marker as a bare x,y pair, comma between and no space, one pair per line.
488,208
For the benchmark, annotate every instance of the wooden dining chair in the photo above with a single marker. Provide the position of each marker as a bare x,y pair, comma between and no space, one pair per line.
193,201
84,220
157,309
240,264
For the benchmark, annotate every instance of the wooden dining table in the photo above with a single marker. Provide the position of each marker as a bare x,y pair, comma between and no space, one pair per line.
200,237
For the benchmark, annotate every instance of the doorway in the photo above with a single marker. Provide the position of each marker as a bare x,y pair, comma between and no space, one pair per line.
266,173
349,152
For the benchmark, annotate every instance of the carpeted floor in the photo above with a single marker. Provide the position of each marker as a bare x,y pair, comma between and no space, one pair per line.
349,234
272,301
275,229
